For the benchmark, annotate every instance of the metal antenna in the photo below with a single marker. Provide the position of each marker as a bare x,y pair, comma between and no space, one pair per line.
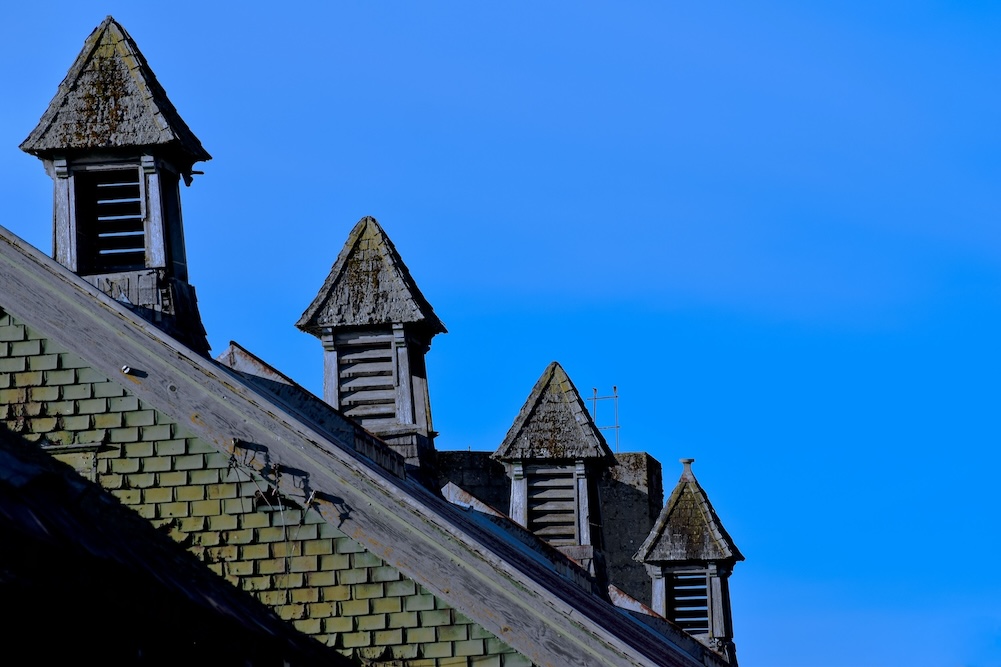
614,426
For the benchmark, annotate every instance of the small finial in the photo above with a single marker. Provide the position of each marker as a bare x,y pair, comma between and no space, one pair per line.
687,472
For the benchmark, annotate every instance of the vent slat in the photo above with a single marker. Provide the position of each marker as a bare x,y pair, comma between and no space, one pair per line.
369,397
362,382
689,606
119,208
354,338
351,355
554,518
560,483
366,368
561,472
110,221
123,225
552,506
377,410
552,494
118,242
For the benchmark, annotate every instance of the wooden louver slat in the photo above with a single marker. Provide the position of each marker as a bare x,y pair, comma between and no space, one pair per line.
552,504
110,220
366,385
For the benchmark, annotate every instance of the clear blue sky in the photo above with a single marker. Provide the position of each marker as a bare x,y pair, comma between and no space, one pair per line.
773,225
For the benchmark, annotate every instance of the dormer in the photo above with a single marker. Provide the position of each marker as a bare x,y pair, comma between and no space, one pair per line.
376,328
554,455
690,556
117,151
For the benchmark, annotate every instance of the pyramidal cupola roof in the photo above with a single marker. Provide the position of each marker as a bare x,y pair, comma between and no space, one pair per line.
110,99
688,529
369,285
553,424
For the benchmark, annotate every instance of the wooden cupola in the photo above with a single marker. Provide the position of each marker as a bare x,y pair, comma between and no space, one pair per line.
690,556
376,328
554,455
117,150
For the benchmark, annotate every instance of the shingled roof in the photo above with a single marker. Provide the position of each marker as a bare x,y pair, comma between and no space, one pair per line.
553,424
512,593
69,544
369,284
688,529
80,116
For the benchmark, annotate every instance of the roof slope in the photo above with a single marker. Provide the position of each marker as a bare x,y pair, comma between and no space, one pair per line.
68,543
688,528
369,284
553,424
80,117
489,579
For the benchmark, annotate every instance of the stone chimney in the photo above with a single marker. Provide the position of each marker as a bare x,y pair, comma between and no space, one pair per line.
117,150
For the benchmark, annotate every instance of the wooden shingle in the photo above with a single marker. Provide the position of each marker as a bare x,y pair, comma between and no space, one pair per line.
553,424
368,285
80,117
688,529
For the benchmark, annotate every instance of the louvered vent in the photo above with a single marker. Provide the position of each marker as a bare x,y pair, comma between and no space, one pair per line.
110,221
365,374
689,602
552,504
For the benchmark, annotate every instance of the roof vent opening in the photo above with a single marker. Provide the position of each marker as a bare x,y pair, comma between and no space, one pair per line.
110,220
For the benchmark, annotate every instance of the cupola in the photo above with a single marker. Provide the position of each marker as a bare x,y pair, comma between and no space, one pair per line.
376,328
690,556
117,150
554,455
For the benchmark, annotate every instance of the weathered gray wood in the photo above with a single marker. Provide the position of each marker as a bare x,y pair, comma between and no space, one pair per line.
350,369
331,383
352,338
688,537
63,215
352,354
111,64
363,382
386,408
156,237
553,424
401,375
584,518
519,494
688,528
369,396
369,285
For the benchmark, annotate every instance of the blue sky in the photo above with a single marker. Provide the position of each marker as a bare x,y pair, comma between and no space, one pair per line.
774,227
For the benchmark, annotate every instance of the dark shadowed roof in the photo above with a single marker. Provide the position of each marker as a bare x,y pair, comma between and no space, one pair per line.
369,284
125,591
688,528
553,424
82,115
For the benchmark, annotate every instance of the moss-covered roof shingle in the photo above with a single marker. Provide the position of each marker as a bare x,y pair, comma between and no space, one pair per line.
110,99
369,285
553,424
688,529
